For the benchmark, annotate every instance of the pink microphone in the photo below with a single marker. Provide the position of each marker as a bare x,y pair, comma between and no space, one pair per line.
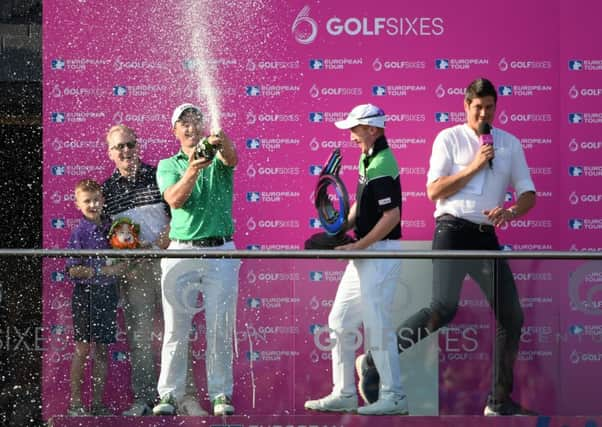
486,138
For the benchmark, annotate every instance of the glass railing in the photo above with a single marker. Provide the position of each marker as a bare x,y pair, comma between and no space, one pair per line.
282,356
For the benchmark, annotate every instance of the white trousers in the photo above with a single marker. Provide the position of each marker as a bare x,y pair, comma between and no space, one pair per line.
181,282
365,295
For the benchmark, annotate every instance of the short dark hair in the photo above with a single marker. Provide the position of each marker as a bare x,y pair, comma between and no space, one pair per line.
480,88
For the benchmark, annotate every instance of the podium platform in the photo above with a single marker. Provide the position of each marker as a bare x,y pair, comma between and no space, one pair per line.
351,420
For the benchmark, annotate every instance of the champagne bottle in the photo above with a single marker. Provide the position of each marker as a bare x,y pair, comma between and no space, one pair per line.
205,149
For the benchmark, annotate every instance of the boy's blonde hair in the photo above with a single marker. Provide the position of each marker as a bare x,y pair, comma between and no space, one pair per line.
88,185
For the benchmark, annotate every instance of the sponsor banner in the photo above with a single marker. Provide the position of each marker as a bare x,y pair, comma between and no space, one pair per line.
277,93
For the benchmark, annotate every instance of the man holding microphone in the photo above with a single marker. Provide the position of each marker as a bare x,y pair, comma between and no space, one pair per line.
471,167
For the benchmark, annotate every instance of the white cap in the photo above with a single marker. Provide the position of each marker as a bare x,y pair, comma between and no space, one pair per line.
364,114
180,109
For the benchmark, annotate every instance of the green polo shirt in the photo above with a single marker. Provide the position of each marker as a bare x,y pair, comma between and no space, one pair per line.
208,210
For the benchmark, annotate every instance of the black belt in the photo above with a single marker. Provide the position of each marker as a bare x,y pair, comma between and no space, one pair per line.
481,228
207,241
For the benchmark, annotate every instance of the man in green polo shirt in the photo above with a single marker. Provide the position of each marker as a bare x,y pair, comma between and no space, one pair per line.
366,291
198,189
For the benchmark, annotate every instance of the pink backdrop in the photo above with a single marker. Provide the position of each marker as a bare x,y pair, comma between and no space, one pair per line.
281,74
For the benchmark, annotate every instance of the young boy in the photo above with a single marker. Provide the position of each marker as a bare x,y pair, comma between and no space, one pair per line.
94,301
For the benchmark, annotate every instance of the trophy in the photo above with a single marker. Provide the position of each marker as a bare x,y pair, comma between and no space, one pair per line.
333,220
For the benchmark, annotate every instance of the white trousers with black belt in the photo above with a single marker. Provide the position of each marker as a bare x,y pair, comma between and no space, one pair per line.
181,282
365,295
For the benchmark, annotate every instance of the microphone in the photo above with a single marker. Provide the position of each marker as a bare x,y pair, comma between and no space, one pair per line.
485,137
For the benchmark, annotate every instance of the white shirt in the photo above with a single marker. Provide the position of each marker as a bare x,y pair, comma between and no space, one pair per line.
455,148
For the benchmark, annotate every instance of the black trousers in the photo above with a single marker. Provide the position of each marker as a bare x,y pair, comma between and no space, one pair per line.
448,276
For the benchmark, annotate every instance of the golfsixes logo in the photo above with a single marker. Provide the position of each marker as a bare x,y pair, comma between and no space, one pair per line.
305,29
